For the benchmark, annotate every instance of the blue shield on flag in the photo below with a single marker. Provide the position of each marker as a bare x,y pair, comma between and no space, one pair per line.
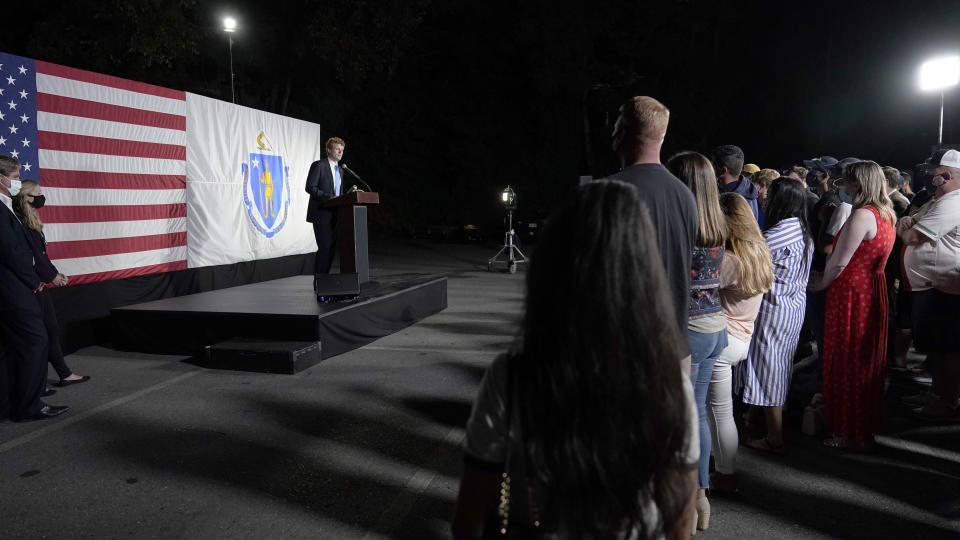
267,186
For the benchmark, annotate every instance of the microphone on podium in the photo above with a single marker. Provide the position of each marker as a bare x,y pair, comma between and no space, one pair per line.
355,175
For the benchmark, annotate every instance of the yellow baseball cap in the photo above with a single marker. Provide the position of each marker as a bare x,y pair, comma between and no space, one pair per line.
750,168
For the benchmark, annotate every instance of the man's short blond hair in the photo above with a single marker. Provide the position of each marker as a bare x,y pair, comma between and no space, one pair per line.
335,140
765,177
645,118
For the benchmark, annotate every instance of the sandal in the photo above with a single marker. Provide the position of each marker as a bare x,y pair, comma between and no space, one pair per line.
764,445
839,443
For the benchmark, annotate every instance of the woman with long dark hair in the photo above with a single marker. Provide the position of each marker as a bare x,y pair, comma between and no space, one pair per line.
583,430
706,326
777,328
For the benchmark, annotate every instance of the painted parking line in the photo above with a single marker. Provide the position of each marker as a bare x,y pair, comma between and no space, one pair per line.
69,420
451,350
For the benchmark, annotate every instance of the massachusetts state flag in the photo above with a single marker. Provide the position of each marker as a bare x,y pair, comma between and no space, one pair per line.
110,155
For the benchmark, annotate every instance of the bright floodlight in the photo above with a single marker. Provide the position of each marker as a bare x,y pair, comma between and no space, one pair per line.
940,73
229,24
508,198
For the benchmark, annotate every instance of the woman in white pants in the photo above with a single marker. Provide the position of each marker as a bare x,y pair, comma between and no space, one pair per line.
746,273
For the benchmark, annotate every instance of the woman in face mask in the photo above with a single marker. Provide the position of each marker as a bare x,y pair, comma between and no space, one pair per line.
855,335
841,214
24,204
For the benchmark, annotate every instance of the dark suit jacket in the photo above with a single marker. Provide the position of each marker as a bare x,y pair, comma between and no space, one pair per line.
320,188
41,261
900,203
23,340
16,259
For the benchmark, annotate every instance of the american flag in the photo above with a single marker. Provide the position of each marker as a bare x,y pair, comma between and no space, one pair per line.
110,155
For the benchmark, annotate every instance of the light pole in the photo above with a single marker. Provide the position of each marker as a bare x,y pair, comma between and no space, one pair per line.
229,26
940,74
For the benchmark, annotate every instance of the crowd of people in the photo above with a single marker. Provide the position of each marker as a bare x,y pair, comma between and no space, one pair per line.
29,329
689,291
660,300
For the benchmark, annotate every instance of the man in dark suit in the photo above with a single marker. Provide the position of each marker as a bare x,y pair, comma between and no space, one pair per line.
23,349
324,183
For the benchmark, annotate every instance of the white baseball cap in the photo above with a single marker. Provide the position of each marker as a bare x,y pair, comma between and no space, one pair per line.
950,158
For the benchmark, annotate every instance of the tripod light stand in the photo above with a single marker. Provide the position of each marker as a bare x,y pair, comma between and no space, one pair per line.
512,256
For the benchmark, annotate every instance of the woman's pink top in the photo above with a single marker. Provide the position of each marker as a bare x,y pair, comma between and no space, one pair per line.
741,310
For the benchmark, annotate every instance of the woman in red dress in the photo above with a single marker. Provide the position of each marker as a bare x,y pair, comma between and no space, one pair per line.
855,333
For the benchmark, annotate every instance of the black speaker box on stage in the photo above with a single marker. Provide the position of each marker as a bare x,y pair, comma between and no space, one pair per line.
336,287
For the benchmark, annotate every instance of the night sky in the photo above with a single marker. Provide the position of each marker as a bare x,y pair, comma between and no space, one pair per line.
442,103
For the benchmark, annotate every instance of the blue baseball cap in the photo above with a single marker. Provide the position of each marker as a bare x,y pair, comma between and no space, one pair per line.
822,164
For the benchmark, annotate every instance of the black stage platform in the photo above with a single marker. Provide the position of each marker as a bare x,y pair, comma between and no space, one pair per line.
282,310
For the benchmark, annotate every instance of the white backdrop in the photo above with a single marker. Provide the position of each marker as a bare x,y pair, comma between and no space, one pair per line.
220,139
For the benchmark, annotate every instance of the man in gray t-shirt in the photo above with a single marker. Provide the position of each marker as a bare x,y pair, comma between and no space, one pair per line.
637,138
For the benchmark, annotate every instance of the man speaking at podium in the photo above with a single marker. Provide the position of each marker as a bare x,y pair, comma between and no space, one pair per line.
324,183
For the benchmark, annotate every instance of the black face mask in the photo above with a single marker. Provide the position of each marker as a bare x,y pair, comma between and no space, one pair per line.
38,201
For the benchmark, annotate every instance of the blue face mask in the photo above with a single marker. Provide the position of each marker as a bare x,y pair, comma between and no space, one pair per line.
844,197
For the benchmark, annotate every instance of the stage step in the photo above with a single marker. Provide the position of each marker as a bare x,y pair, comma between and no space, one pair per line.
262,356
281,310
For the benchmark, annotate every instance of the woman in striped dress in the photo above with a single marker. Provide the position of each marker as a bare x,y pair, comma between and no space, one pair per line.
777,329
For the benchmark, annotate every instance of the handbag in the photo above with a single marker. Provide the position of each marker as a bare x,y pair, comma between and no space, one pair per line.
519,506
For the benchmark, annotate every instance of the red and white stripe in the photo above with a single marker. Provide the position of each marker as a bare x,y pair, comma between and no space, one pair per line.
113,168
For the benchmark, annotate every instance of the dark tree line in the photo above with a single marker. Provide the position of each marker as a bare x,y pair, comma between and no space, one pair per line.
443,103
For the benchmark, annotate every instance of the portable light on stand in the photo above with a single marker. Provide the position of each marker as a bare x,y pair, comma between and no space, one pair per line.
513,255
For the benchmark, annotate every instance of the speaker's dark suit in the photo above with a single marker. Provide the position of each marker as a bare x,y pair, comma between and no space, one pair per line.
23,338
321,189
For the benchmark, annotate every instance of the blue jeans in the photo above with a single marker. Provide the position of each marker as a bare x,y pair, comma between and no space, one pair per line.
704,350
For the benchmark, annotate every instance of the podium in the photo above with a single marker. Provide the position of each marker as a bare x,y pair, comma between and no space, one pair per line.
352,234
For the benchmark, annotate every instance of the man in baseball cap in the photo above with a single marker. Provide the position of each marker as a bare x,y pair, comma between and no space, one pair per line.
822,173
823,164
842,212
931,264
